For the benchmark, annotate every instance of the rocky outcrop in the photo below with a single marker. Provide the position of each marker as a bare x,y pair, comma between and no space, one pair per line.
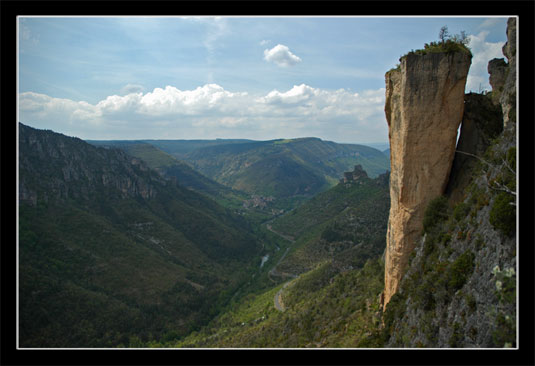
497,70
482,122
56,167
503,78
508,96
355,175
424,107
459,289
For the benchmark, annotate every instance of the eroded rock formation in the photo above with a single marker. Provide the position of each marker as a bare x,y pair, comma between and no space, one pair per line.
508,96
424,107
357,173
497,69
482,122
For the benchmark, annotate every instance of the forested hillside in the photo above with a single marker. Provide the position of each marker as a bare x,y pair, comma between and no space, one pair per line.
331,278
279,168
111,252
183,174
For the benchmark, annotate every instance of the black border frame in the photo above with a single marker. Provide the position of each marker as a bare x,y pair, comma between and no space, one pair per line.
9,355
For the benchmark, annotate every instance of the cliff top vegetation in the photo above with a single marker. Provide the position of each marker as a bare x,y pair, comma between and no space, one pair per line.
447,44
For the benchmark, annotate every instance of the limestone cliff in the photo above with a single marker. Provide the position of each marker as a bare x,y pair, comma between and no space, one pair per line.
56,167
459,289
424,107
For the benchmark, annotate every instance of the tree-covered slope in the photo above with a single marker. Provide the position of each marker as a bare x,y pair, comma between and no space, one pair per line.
460,287
306,166
185,176
333,299
346,223
180,148
322,308
111,252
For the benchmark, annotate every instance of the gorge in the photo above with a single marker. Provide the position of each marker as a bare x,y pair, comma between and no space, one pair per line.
186,243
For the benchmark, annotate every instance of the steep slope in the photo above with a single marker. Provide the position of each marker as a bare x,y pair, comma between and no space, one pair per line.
323,308
185,176
345,225
460,287
111,252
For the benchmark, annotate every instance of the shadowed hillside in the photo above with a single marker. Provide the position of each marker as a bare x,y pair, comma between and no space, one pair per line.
111,252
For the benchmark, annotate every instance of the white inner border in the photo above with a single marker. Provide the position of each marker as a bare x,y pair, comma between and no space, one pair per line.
282,16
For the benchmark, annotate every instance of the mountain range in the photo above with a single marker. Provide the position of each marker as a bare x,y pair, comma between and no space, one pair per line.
254,166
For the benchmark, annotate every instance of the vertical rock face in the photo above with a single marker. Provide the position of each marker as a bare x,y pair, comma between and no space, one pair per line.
497,70
482,122
424,107
508,96
503,77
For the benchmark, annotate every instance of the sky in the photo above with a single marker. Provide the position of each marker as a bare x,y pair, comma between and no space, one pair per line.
259,78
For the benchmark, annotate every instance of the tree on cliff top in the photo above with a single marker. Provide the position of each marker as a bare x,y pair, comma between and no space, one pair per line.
443,34
448,44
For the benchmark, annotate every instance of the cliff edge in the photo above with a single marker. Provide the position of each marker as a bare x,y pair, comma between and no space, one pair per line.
459,288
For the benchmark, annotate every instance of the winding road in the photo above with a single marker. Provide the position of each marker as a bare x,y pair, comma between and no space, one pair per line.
279,305
277,300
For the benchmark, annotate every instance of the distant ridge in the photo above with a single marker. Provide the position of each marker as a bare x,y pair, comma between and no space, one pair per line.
281,168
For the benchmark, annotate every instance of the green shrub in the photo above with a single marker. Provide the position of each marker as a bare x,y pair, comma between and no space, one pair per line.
461,211
471,302
436,212
449,46
445,238
394,310
478,197
423,295
460,270
503,215
505,332
376,340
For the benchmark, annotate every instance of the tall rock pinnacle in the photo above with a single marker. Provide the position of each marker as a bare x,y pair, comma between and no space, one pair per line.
424,107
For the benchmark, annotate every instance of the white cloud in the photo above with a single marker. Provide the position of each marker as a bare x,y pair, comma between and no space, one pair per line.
295,95
281,55
132,88
210,111
40,107
483,52
264,42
